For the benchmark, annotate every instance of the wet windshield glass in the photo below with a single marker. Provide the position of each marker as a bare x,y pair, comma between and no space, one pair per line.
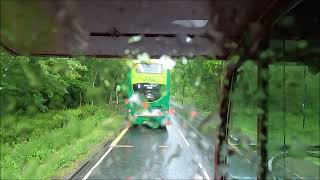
150,91
160,89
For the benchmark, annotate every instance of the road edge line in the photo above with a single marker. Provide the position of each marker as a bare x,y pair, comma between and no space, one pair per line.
185,140
204,171
114,142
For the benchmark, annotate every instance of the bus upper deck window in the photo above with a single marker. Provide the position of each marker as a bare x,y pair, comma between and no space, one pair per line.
149,68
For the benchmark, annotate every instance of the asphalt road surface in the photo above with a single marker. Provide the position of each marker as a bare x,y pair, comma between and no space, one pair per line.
177,152
173,153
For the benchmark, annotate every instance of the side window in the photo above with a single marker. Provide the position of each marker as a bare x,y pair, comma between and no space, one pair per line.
293,121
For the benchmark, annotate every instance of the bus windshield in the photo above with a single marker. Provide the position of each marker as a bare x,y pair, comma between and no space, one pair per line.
149,68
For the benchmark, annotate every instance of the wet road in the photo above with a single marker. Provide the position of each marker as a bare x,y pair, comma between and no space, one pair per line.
177,152
172,153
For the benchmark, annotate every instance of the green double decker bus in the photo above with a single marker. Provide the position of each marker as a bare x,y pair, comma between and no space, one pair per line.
148,93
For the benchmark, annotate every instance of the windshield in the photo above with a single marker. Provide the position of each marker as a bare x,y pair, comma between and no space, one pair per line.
150,91
160,89
149,68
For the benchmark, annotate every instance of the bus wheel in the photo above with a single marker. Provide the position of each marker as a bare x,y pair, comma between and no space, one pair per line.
163,126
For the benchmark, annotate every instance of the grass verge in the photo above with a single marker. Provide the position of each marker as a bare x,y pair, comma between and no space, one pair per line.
50,144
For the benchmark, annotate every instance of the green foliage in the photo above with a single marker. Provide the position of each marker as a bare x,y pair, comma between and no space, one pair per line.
289,97
286,113
39,84
197,81
40,134
41,146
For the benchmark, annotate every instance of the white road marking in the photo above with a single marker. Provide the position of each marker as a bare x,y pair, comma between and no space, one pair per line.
190,126
185,140
178,140
204,171
179,115
178,106
174,123
162,146
114,143
293,173
122,146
